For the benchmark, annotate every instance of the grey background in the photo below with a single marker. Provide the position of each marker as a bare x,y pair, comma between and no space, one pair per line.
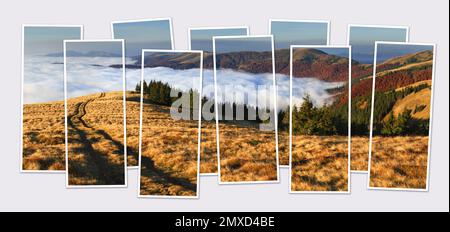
428,22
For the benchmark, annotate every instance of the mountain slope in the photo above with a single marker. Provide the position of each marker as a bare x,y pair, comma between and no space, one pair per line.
307,63
405,60
320,65
396,73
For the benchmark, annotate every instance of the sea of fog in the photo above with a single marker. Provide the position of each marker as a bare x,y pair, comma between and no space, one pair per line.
44,81
88,75
44,77
232,84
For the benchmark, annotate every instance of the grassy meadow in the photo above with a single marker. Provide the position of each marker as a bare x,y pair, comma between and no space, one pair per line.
95,132
320,163
169,153
320,141
43,137
394,165
246,154
401,117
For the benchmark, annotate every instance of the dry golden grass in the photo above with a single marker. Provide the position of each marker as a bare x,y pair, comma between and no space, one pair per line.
421,98
360,153
283,148
319,163
133,111
208,149
95,139
399,162
208,154
169,153
43,136
247,154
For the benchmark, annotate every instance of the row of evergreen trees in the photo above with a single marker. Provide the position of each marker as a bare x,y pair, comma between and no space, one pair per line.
333,119
156,92
403,124
159,93
383,106
308,119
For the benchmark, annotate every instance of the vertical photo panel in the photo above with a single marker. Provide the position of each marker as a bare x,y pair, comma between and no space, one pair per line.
95,113
138,35
362,39
43,144
401,116
202,39
286,33
170,126
320,156
245,109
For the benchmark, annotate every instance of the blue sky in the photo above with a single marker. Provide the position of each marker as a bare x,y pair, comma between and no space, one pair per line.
45,40
299,33
254,44
143,35
362,40
388,51
201,39
113,47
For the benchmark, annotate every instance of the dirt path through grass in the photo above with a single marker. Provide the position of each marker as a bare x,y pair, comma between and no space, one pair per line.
99,167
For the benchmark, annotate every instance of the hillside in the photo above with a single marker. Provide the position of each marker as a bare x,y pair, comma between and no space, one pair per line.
418,102
43,136
394,73
319,163
401,78
320,65
253,62
169,152
399,162
307,62
415,58
95,135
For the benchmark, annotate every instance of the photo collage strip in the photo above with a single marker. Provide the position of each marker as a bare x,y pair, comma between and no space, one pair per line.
233,105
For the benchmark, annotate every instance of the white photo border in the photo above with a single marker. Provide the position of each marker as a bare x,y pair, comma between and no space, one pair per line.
125,185
190,47
22,170
172,44
217,113
197,196
426,189
300,21
349,26
349,121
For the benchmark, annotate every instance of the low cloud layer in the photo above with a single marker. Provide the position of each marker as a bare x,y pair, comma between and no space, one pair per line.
88,75
302,87
239,87
43,79
181,79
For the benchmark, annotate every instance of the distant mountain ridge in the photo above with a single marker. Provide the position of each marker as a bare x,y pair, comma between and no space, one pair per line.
315,63
307,63
414,58
84,54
